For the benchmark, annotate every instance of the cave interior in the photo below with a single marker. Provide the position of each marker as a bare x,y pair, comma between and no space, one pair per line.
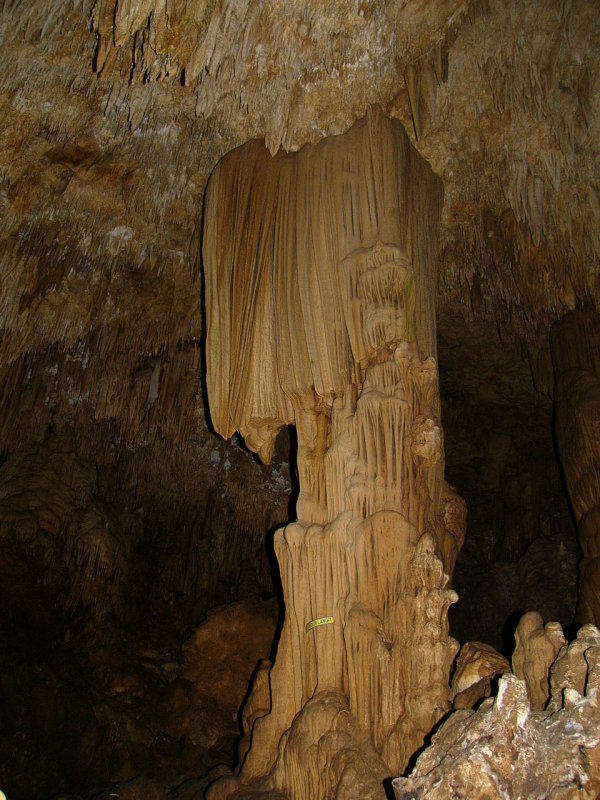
140,590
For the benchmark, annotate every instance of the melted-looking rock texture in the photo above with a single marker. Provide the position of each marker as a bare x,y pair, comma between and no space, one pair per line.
115,113
507,748
320,274
537,646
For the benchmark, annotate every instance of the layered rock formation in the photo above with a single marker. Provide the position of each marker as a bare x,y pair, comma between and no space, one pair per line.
476,667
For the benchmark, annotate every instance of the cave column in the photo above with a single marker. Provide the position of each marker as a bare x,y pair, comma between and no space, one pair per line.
575,344
321,313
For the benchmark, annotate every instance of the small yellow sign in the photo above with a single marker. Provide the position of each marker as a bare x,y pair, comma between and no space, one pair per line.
316,623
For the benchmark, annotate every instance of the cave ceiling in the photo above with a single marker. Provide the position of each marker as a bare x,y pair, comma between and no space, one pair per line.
115,112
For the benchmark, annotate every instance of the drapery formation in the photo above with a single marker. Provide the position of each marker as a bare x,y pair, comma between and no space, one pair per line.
296,299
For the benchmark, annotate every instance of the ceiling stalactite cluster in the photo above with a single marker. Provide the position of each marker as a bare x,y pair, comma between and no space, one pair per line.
113,486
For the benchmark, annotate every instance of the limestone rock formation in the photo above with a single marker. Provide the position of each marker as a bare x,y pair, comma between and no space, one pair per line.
476,667
219,660
326,753
320,271
114,115
508,749
537,646
123,518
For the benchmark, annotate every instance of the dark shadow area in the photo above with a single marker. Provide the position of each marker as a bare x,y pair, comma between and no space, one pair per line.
391,795
500,455
294,479
286,447
203,366
569,630
508,633
426,742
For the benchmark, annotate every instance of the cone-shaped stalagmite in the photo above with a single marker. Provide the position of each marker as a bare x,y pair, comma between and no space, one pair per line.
320,288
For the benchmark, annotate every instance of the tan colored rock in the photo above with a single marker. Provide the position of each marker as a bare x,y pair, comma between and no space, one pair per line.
108,173
454,522
327,753
570,669
537,646
324,754
476,667
257,705
320,276
103,174
506,749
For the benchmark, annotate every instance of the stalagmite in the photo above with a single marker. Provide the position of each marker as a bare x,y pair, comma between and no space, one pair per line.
575,341
509,748
320,286
537,646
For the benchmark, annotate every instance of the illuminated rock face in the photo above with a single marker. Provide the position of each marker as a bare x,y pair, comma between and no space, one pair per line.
320,274
514,745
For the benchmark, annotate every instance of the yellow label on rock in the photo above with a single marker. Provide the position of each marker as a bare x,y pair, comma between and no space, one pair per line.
316,623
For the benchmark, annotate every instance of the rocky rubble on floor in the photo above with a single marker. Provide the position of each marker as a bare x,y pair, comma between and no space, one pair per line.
506,748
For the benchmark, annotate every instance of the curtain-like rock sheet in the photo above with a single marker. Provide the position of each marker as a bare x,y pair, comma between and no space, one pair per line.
285,244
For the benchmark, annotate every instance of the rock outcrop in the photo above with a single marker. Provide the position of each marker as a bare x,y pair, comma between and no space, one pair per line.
507,748
477,665
537,646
